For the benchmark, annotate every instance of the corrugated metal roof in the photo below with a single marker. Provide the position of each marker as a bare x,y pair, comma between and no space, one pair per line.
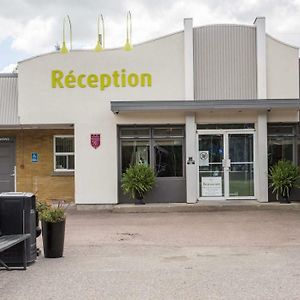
8,99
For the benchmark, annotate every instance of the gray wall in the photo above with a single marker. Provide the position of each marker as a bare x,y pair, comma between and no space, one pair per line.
8,99
225,62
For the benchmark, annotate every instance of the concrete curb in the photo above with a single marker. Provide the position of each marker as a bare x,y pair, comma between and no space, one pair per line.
205,206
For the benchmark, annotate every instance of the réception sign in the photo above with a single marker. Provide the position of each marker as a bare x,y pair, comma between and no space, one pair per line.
102,81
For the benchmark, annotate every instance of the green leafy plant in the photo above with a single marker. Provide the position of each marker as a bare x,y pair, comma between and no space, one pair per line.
53,214
41,206
138,180
283,176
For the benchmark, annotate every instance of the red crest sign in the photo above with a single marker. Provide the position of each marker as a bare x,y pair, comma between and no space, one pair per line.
95,140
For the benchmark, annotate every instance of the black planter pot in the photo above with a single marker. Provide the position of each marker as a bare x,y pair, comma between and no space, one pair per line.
53,238
139,200
284,200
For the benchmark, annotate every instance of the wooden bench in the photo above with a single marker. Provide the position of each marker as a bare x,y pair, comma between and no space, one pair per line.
8,241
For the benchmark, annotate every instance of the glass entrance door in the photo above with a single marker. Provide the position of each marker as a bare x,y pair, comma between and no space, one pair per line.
241,165
226,164
211,166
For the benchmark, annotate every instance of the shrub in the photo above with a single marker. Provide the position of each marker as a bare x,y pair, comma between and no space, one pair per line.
53,214
137,181
284,176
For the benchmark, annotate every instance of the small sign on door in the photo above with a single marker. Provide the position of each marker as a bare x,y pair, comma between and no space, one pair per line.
34,157
211,186
203,158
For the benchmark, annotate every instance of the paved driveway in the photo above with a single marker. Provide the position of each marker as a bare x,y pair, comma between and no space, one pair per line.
204,255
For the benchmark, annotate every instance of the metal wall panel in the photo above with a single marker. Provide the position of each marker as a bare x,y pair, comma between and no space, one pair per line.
225,62
8,99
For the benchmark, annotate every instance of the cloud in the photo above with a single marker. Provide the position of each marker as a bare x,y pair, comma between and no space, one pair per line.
35,26
9,69
35,37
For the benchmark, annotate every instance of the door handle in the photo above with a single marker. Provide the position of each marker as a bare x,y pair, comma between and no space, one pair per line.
228,163
13,173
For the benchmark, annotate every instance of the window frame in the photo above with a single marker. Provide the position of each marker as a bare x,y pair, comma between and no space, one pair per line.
293,136
67,154
153,142
151,139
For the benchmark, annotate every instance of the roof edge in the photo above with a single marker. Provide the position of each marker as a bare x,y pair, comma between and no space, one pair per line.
6,75
281,42
106,49
191,105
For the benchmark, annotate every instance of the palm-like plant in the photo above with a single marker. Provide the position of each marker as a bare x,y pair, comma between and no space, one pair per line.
138,180
284,176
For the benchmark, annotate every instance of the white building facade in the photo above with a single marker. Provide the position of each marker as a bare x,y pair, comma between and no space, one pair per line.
195,105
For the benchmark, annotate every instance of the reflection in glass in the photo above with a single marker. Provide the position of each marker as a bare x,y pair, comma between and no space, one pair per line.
71,163
214,145
241,176
241,180
168,158
134,152
64,162
168,132
64,144
279,148
61,162
135,132
241,147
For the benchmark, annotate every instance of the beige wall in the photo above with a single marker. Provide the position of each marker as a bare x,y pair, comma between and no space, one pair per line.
39,177
96,174
282,70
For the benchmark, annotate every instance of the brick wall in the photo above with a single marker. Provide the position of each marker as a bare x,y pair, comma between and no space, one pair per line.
39,177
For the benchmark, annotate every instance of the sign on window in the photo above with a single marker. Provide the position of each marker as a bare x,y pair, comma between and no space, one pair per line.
211,186
203,158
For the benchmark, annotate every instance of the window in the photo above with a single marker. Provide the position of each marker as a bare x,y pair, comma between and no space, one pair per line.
282,142
159,146
134,152
64,153
168,158
279,148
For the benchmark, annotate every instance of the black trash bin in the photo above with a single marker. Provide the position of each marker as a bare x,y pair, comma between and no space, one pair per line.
12,206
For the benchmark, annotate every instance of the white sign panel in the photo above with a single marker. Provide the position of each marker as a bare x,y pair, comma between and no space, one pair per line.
211,186
203,158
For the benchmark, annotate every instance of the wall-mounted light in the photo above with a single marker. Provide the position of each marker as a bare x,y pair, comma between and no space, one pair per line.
128,45
101,36
64,48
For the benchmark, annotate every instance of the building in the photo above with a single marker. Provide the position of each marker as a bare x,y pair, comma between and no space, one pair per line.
206,107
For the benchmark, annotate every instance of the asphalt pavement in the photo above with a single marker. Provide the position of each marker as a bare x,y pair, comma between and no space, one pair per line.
201,255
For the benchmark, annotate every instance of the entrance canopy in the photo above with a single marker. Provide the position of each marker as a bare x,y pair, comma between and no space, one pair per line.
251,104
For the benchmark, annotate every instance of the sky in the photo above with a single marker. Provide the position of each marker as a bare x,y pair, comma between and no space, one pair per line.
32,27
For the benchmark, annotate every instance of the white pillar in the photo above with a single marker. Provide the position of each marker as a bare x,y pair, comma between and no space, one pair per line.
191,159
261,57
190,119
262,158
261,125
188,59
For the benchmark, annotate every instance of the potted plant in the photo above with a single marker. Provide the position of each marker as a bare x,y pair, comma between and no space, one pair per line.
283,176
40,207
53,230
137,181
